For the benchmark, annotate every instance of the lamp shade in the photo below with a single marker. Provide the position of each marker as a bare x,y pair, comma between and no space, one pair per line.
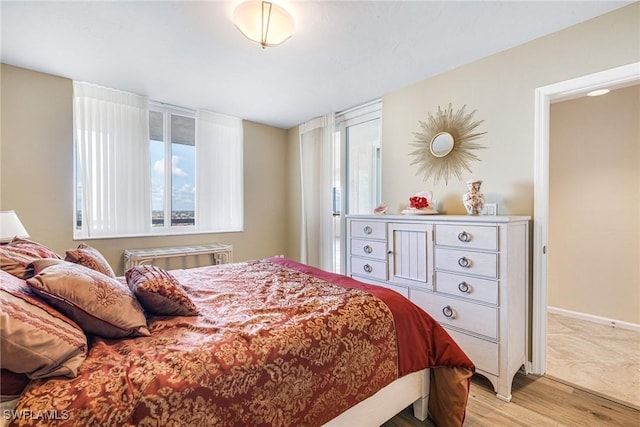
10,226
263,22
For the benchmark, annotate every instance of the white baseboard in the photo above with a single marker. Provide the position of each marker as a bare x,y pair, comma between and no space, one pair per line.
596,319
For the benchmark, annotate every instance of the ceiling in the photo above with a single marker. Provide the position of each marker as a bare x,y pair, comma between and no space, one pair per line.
343,53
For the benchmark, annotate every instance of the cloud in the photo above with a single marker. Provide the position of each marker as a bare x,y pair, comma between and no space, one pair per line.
157,195
186,189
175,170
183,197
158,166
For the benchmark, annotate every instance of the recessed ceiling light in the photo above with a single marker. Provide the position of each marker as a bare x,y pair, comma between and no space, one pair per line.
598,92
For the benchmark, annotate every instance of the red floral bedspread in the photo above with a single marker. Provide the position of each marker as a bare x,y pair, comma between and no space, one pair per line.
275,344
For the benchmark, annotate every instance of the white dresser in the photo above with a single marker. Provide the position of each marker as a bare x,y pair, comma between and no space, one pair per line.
470,273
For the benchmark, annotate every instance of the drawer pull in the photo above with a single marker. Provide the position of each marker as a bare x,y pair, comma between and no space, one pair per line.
463,287
464,262
464,237
448,312
367,268
367,230
367,249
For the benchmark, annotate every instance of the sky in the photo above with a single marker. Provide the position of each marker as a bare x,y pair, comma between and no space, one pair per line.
182,176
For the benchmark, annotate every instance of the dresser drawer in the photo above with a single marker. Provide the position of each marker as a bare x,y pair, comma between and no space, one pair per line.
369,268
479,319
369,229
483,354
369,248
468,236
467,262
473,288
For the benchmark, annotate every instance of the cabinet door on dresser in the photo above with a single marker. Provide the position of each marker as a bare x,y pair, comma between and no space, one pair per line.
411,254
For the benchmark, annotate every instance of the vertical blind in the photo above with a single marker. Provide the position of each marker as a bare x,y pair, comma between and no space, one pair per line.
219,172
113,161
316,163
112,145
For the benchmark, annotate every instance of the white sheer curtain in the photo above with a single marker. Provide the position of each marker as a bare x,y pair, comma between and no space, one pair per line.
112,149
316,163
219,172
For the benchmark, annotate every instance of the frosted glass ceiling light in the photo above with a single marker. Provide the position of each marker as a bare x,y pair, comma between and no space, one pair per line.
263,22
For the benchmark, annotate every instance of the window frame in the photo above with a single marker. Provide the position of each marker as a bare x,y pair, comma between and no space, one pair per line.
167,111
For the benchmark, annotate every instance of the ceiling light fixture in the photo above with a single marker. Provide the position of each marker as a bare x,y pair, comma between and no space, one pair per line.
598,92
263,22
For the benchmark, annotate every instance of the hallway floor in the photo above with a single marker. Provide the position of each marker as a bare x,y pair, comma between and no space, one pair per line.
595,357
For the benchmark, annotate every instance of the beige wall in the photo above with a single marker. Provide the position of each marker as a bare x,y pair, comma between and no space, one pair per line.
501,89
594,205
36,175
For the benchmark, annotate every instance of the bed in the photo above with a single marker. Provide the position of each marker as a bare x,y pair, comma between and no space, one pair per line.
270,342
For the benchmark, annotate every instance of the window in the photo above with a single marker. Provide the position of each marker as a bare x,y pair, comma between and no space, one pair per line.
172,150
146,168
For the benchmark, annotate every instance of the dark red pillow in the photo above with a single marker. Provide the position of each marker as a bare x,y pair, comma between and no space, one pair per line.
159,292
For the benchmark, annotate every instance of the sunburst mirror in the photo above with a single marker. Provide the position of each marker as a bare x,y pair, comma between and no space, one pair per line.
445,145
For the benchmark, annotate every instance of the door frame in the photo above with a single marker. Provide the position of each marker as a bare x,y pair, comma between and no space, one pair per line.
614,78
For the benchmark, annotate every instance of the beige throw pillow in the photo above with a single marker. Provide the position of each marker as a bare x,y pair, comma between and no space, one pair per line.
101,305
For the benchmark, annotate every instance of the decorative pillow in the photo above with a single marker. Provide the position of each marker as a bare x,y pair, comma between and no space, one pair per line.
101,305
90,257
35,339
159,292
17,255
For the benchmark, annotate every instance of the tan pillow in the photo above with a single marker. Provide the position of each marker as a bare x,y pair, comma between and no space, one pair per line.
90,257
159,292
101,305
35,339
17,255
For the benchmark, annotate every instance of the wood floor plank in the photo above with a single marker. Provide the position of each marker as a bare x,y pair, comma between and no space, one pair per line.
570,406
485,409
537,401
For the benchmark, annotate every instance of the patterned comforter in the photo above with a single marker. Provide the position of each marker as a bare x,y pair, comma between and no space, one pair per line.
276,343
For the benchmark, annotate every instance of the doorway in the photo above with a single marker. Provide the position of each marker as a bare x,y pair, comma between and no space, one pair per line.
593,307
614,78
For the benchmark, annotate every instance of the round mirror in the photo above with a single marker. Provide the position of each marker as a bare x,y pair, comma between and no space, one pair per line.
441,144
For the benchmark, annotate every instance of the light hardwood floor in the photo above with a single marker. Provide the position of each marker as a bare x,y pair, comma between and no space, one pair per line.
537,401
596,357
